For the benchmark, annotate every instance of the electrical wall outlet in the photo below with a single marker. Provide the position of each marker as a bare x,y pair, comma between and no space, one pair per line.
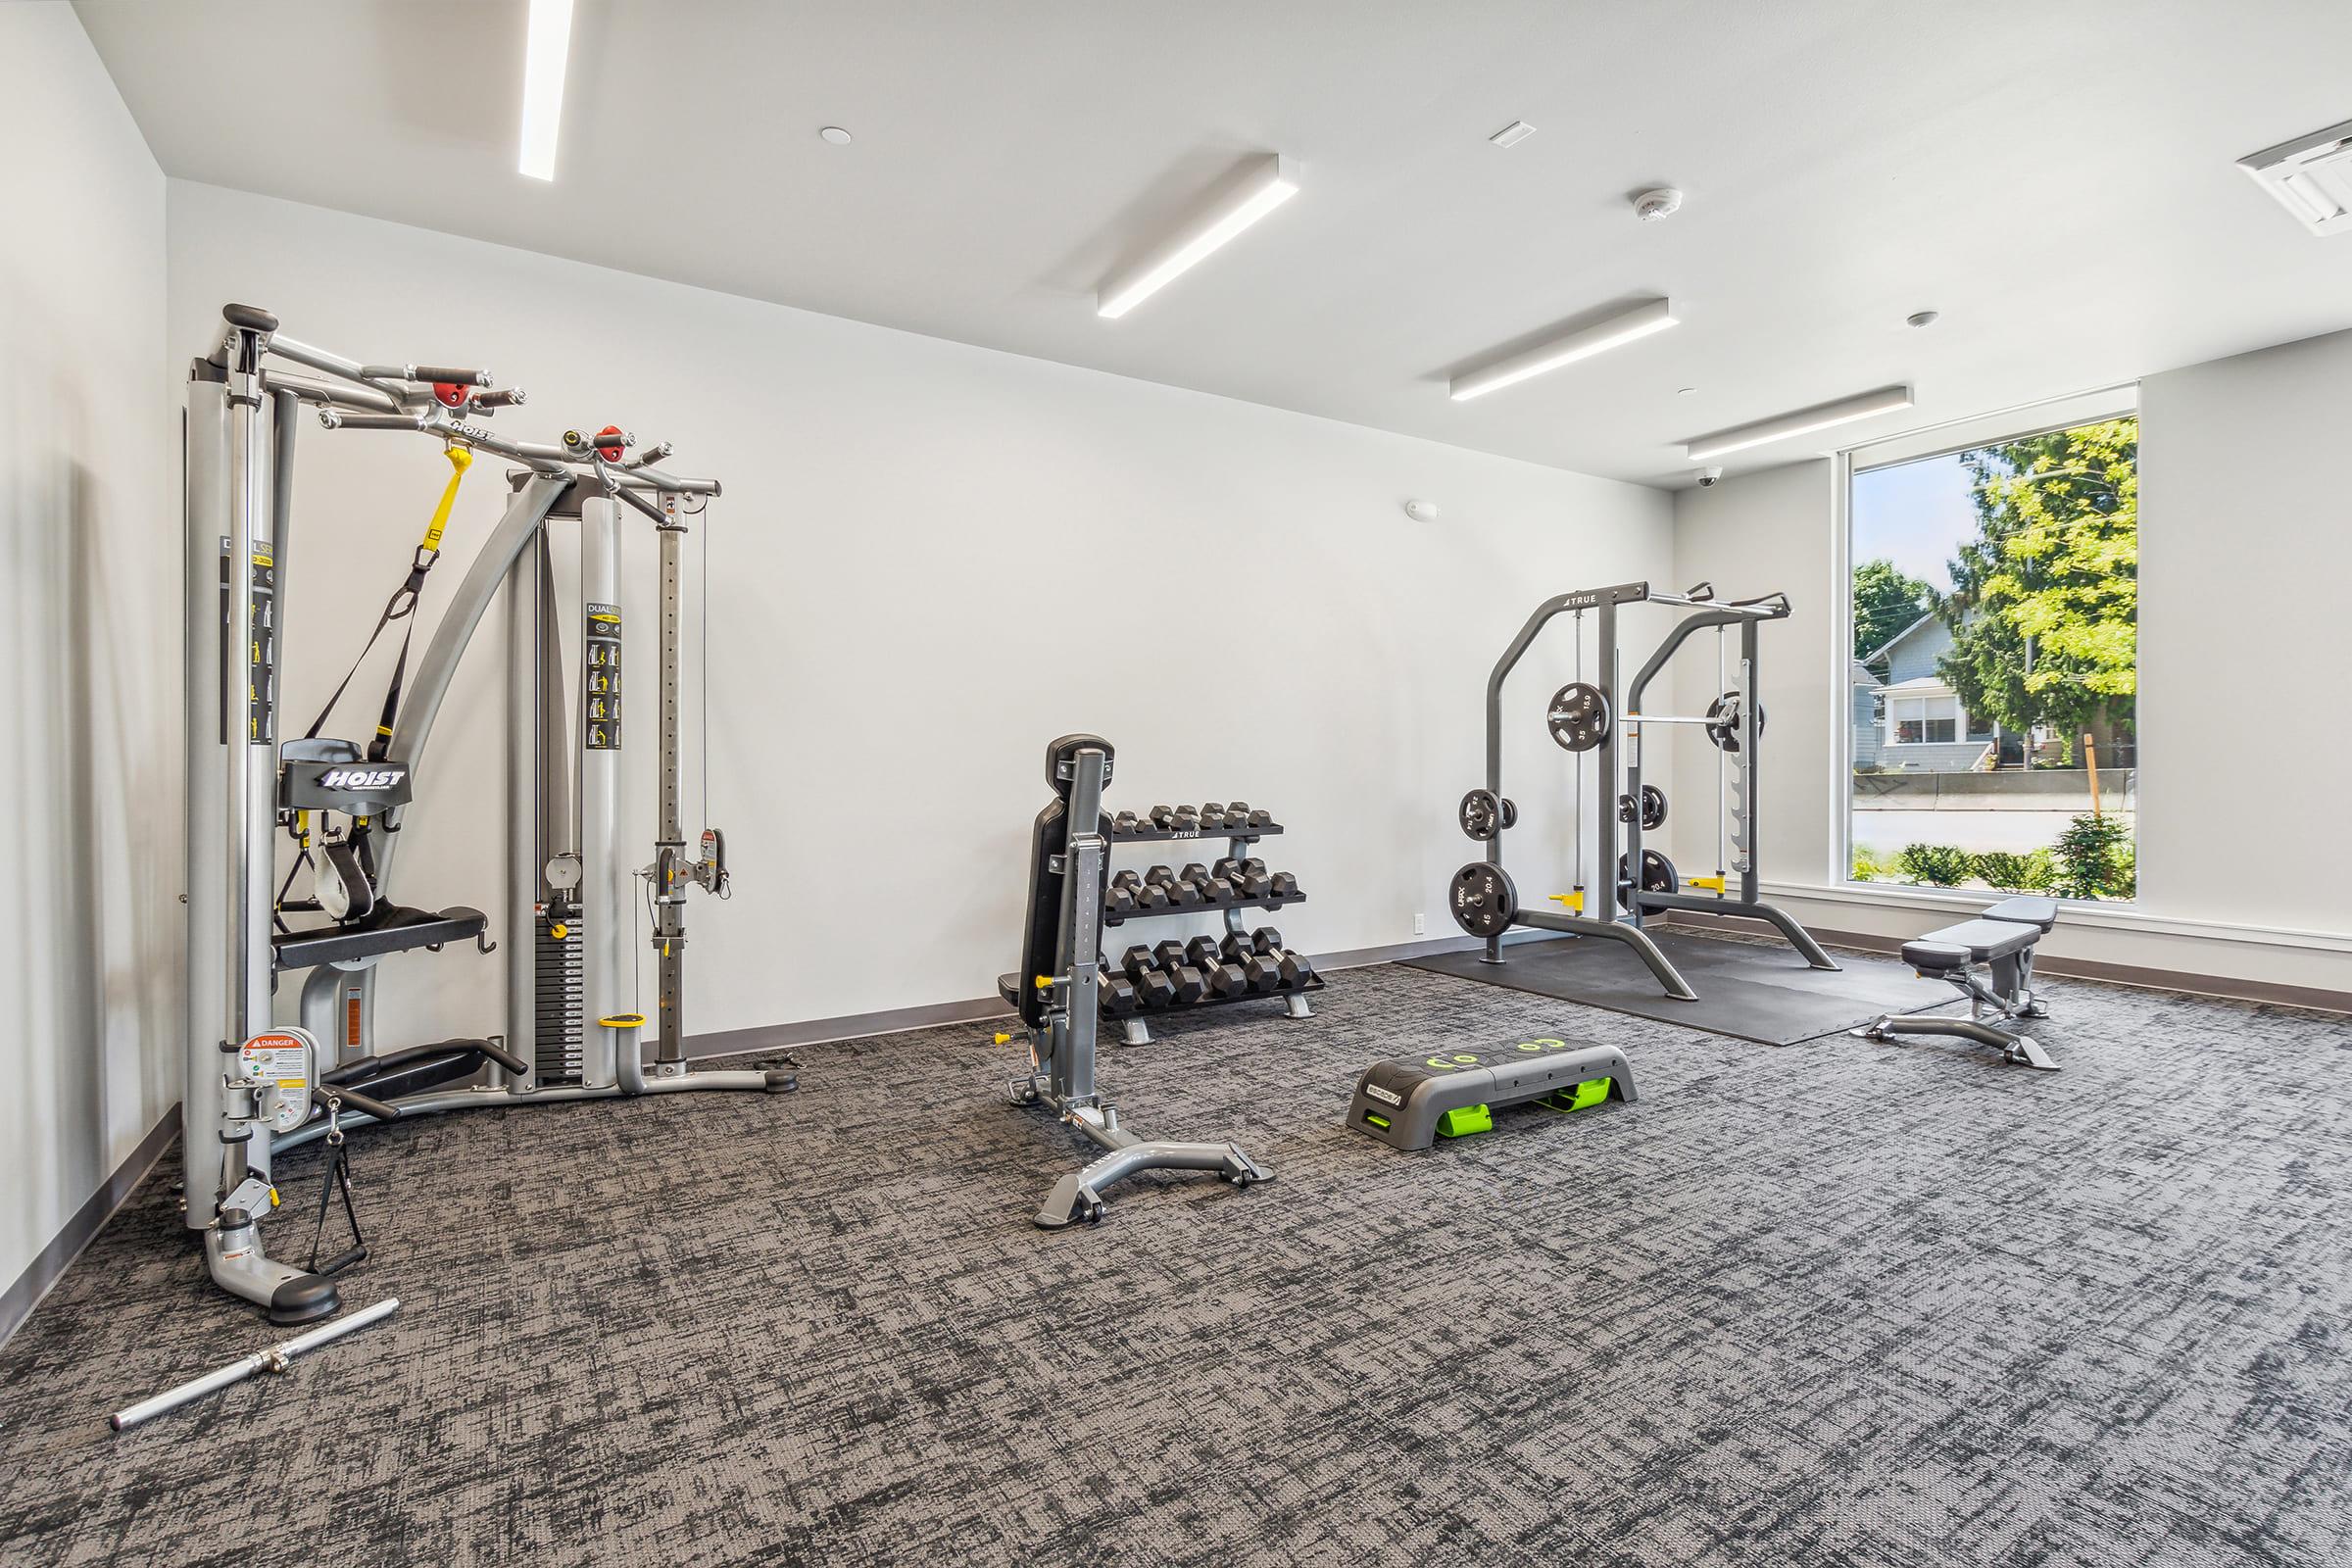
1420,925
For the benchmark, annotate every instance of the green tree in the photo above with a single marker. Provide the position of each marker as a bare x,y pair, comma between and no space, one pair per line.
1885,602
2044,607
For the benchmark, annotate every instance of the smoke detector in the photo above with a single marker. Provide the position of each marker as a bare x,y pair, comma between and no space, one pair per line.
1652,205
2311,176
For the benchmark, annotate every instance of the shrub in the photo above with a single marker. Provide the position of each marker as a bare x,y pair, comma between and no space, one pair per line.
2095,860
1871,866
1938,864
2015,873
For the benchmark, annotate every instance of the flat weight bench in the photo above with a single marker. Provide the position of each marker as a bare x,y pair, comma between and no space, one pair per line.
2001,942
1407,1103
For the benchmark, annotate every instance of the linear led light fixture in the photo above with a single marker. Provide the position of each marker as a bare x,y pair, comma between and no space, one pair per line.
543,55
1780,428
1244,197
1651,315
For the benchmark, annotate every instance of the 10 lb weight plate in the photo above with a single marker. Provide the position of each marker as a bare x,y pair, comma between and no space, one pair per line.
1483,898
1579,716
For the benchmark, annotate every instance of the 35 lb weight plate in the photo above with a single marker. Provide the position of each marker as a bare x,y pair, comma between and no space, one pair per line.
1579,717
1483,898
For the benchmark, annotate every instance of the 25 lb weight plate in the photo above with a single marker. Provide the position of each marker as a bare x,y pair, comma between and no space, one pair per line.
1483,898
1480,815
1653,807
1579,717
1723,720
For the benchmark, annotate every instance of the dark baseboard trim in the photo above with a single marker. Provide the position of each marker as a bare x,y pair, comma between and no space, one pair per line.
51,1263
2121,974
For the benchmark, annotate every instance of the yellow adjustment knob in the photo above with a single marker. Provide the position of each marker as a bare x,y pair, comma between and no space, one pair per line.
1044,982
1000,1038
558,931
624,1020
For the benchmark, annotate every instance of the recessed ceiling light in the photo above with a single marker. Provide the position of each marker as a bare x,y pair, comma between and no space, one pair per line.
1244,197
1780,428
836,135
1651,315
1922,319
1512,134
545,46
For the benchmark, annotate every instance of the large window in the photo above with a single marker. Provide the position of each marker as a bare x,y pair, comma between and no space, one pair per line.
1994,667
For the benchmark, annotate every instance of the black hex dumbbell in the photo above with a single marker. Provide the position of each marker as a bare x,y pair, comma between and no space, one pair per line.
1282,885
1237,813
1233,948
1265,939
1119,901
1259,818
1137,961
1264,971
1123,824
1168,954
1212,891
1295,970
1162,815
1227,979
1212,815
1190,984
1150,898
1119,994
1249,878
1156,988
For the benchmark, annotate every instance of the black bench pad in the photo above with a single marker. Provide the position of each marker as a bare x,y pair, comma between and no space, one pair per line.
2026,910
1969,942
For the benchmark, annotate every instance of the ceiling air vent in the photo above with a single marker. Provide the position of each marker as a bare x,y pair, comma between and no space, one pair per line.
2311,177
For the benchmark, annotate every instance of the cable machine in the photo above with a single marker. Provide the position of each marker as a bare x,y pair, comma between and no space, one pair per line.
571,1028
1587,717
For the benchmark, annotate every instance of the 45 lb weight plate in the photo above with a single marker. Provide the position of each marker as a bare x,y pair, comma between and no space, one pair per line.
1483,898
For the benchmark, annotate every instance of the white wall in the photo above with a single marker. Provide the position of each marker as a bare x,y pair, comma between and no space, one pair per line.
89,781
930,560
2245,546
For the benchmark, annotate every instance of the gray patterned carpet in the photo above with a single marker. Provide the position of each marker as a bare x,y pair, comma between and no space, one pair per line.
1843,1303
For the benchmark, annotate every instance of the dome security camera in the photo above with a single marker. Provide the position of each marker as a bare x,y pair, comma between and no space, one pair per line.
1708,475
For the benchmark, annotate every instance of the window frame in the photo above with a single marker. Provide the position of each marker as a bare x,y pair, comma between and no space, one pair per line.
1944,438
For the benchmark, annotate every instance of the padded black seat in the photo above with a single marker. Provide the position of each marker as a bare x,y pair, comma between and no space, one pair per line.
1008,986
2026,910
390,928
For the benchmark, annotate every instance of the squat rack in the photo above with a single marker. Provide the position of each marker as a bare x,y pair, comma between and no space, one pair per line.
1588,717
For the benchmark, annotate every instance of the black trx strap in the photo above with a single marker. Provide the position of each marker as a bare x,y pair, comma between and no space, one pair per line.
336,1179
401,606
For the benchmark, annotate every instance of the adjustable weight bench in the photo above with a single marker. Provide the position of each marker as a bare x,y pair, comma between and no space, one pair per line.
2001,942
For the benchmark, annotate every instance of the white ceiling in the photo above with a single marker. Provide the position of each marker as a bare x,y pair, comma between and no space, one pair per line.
2055,177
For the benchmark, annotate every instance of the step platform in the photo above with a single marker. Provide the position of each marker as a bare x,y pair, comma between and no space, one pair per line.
1408,1103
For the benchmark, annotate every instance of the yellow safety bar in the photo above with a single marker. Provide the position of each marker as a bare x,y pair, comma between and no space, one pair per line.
1575,900
1713,883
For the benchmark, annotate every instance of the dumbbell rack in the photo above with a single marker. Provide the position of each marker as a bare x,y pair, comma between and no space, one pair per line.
1135,1028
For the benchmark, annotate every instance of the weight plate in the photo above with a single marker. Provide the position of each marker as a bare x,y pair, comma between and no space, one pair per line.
1510,812
1723,720
1483,898
1658,875
1579,716
1480,815
1653,807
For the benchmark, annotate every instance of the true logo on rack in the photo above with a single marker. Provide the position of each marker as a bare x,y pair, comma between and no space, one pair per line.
362,778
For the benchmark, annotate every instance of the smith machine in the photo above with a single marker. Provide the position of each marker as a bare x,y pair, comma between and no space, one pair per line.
1587,716
571,1024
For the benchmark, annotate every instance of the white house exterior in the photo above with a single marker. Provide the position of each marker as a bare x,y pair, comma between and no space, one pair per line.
1907,718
